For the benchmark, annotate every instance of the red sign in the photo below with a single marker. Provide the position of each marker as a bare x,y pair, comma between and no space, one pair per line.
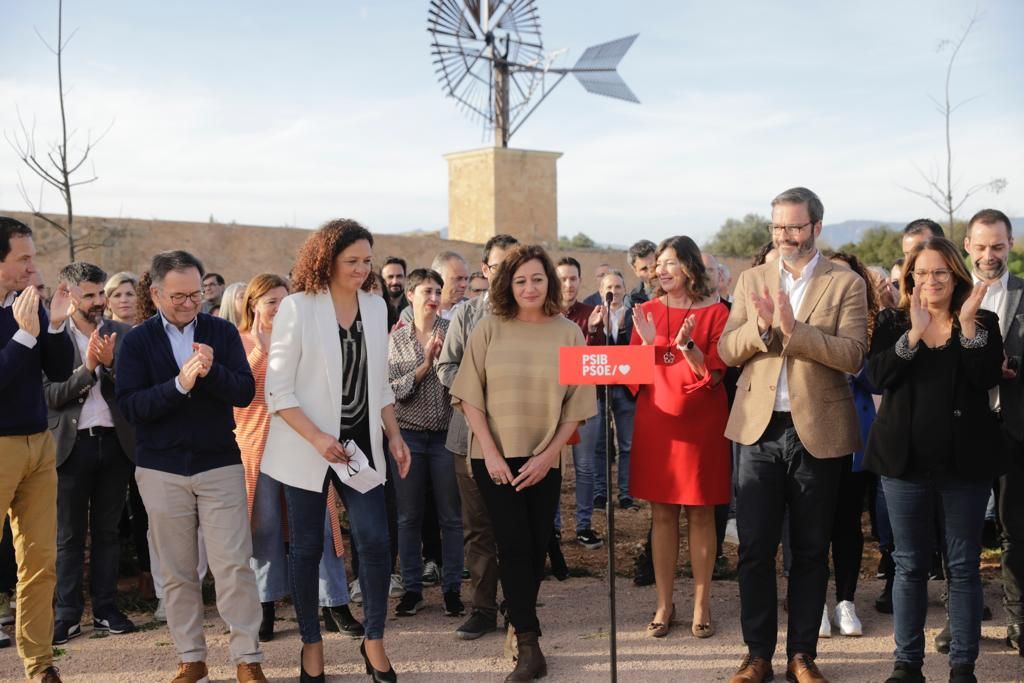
606,365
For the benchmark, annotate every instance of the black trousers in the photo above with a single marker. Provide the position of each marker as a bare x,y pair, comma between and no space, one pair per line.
8,567
1011,516
776,473
92,486
847,534
523,522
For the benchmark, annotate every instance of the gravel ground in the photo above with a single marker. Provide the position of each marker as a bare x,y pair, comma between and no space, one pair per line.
574,616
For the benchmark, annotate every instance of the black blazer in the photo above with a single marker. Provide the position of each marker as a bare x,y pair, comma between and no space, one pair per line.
978,451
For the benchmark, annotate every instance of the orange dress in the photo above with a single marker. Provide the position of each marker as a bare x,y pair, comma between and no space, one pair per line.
252,424
680,454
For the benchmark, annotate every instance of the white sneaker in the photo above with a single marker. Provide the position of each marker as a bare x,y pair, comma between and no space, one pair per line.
846,619
825,630
355,593
161,612
397,588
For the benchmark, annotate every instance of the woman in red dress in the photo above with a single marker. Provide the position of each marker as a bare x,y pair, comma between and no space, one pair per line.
680,454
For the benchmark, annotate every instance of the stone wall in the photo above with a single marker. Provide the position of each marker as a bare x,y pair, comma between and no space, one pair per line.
240,251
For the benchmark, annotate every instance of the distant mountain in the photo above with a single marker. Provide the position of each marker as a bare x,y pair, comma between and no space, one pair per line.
838,234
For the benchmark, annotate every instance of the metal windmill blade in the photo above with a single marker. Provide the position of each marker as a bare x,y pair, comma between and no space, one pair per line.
489,56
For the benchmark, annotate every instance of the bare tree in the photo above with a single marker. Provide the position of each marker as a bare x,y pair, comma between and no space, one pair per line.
942,191
58,165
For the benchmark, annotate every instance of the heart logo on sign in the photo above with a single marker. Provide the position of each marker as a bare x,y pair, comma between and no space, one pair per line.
624,369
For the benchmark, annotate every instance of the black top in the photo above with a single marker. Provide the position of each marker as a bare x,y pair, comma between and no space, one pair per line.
354,402
931,434
954,418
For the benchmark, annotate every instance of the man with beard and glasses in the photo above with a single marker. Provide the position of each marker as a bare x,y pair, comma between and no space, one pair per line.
988,242
393,271
94,444
798,328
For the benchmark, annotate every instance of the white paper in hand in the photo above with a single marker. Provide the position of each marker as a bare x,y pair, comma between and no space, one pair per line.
357,472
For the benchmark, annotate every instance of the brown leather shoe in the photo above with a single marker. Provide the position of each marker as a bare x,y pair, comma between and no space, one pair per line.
191,672
753,670
49,675
250,673
802,669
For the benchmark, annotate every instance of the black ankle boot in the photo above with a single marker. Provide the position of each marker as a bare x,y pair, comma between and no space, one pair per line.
340,620
559,569
962,673
267,623
530,663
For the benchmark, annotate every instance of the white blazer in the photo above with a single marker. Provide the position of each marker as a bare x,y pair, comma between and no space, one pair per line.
305,371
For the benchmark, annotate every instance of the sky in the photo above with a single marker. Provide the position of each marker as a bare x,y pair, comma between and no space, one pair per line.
276,114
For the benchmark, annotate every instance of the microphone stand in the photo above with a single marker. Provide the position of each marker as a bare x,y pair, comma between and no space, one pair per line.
609,505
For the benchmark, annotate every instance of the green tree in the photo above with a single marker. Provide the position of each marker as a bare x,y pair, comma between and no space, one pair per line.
578,241
879,246
741,238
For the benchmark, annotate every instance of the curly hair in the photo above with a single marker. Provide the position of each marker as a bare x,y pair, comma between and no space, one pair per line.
503,301
313,266
144,300
697,286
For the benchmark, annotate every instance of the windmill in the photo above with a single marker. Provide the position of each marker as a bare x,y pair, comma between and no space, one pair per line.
489,56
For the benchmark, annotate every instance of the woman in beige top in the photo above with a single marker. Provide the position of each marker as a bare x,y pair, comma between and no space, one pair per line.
520,418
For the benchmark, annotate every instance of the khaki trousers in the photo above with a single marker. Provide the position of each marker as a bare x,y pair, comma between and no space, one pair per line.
177,506
28,488
478,538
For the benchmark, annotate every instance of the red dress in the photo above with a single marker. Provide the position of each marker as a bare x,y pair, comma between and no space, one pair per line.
680,454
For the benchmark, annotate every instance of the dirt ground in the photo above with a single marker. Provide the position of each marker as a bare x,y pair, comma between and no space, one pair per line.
575,619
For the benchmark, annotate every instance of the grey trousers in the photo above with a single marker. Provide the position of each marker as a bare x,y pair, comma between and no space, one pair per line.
177,506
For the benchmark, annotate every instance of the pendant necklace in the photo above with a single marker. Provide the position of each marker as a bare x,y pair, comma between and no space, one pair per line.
669,356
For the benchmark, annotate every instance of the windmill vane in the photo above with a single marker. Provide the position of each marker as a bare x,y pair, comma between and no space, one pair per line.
488,55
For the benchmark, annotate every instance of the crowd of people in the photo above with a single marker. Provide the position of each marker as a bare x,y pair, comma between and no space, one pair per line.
248,430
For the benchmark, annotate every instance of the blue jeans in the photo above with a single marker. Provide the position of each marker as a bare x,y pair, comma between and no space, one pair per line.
368,520
623,410
911,504
269,561
430,460
583,462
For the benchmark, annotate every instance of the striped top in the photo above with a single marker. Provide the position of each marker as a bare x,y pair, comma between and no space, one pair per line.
354,400
252,424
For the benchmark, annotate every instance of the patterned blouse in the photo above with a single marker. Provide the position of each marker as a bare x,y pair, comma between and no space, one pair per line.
354,401
423,407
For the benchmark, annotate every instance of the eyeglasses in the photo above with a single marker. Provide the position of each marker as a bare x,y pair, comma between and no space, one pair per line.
939,275
211,284
178,299
789,229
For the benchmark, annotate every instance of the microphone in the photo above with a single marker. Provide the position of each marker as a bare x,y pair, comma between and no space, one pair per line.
608,298
608,317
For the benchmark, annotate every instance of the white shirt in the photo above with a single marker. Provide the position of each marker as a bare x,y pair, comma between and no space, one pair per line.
21,336
181,343
995,301
796,288
615,317
95,411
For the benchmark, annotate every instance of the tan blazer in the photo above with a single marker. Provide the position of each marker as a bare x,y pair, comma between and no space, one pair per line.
828,342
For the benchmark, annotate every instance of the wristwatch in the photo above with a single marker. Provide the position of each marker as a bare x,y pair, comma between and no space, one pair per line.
688,346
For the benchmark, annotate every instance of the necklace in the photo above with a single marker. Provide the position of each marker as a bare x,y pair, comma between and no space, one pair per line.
669,357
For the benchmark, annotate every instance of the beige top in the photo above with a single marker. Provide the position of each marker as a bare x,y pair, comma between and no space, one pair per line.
510,371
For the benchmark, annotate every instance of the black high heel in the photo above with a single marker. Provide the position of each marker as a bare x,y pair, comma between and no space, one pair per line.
305,677
388,676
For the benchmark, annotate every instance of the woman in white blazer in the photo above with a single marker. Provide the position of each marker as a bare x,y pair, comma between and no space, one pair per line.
328,393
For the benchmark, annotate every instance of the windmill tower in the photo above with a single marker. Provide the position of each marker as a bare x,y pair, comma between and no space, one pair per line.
489,57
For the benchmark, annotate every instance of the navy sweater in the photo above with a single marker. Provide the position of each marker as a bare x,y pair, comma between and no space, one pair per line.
22,406
179,433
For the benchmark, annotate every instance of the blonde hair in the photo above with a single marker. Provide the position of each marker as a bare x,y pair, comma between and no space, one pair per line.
118,279
227,303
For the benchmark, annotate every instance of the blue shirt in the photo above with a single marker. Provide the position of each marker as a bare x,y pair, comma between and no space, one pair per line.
181,343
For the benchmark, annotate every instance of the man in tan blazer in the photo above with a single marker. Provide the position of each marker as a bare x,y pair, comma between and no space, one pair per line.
798,327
